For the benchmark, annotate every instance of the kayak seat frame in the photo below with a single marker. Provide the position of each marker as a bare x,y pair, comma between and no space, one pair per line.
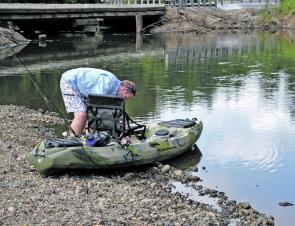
107,113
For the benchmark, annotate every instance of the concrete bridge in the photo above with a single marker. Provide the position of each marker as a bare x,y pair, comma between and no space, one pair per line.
82,12
91,14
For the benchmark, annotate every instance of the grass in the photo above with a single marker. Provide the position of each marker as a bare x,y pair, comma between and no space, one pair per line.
287,7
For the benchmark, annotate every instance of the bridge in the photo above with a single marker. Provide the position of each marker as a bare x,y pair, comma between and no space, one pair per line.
91,14
78,12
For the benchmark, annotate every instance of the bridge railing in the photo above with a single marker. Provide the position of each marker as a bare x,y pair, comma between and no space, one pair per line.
199,3
249,1
135,2
187,3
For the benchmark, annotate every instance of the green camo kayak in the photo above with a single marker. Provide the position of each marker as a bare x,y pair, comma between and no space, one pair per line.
162,141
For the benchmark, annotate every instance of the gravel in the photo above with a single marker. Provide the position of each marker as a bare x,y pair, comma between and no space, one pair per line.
140,196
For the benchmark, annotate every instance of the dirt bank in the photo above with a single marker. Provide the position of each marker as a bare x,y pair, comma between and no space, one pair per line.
204,19
133,197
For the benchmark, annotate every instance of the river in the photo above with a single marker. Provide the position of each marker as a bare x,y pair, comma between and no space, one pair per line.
242,86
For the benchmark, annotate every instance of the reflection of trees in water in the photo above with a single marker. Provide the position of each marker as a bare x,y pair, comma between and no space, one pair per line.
189,70
72,52
227,61
20,90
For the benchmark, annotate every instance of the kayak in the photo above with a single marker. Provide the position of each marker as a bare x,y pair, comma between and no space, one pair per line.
162,141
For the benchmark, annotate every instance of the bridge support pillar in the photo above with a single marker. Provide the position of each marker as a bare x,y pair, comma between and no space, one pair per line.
138,42
138,19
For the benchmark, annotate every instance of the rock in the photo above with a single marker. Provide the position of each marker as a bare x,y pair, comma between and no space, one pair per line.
153,185
245,205
270,221
191,178
129,176
178,173
220,194
82,190
194,168
146,201
49,191
285,204
213,195
165,169
207,191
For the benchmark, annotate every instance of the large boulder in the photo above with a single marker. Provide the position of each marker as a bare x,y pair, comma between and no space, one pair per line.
9,38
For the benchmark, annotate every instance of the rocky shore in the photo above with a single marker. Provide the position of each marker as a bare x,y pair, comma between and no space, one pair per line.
205,19
141,196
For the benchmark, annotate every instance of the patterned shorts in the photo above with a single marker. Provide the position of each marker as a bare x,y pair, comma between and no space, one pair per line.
72,99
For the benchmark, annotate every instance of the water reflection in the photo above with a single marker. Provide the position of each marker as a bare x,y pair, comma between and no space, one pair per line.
8,52
242,86
189,159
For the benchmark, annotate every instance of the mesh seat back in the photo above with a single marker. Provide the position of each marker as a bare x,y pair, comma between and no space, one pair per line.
106,113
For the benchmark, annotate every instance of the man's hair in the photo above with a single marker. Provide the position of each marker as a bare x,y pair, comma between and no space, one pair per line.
131,87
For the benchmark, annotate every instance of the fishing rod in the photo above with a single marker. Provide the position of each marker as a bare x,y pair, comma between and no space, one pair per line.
38,86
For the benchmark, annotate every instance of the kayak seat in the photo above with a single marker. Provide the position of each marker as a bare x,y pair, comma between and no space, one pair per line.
106,113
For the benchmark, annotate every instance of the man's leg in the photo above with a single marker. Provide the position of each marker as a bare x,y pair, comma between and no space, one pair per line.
74,103
78,122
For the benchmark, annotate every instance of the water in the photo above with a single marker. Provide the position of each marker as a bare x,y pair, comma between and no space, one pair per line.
242,86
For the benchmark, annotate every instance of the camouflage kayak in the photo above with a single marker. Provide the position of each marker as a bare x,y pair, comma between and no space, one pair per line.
162,141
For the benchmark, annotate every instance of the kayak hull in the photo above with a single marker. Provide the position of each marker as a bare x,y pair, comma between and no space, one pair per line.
156,147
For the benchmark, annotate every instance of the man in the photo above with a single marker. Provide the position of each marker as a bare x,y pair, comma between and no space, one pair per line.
77,83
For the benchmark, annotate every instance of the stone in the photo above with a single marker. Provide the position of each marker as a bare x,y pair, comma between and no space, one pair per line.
285,204
177,173
165,169
245,205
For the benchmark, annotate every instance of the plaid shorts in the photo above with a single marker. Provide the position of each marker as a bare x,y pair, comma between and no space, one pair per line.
73,101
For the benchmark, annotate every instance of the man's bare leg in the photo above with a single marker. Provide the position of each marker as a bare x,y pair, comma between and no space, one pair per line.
78,122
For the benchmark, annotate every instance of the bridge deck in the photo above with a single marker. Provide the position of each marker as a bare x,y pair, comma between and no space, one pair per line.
59,11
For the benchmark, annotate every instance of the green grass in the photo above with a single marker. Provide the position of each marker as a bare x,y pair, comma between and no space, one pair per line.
287,7
266,15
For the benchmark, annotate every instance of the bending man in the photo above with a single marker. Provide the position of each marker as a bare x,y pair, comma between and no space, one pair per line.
77,83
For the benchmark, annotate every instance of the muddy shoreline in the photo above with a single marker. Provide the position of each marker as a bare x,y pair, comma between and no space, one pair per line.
141,196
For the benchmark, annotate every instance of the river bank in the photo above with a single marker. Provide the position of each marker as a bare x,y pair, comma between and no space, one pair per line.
119,197
205,19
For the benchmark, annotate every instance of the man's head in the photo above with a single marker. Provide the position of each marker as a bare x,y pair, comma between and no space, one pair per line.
127,89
